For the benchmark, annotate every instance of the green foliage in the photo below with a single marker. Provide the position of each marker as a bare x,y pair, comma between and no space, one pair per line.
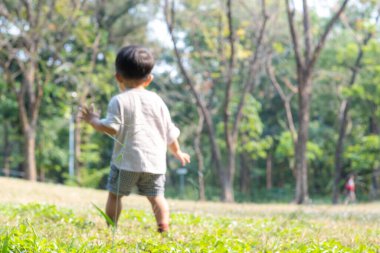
314,152
278,48
364,155
251,130
365,92
52,151
348,53
285,148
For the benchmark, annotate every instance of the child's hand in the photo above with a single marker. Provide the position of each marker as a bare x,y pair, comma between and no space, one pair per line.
184,158
88,114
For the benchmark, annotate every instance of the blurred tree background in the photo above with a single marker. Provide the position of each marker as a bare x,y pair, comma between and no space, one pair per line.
277,101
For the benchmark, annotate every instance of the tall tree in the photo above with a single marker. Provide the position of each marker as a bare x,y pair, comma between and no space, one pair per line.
87,62
344,110
305,64
225,163
32,29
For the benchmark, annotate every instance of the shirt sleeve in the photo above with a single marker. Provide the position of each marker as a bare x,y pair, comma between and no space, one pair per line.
113,117
172,132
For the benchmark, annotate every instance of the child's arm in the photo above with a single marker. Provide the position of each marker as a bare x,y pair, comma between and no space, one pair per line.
91,117
184,158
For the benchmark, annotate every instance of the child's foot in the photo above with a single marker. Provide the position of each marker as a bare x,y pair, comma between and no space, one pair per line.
163,228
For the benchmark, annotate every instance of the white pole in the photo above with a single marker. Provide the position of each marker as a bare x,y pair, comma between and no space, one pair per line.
71,146
71,139
181,172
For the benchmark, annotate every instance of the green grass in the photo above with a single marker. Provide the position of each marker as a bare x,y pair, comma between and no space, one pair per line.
195,227
47,228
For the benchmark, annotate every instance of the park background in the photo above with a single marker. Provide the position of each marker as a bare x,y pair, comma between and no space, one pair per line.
277,101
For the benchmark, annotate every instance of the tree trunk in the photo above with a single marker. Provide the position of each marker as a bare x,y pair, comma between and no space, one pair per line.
29,154
269,171
281,181
77,145
201,181
199,155
339,150
227,190
245,175
227,178
229,136
374,127
302,194
41,170
29,99
375,185
6,151
42,174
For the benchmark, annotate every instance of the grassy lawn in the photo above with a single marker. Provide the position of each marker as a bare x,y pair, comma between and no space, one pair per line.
37,217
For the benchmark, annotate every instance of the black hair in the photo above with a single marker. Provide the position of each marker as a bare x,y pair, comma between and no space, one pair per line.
134,62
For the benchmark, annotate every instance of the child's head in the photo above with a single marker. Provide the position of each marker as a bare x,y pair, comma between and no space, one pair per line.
134,65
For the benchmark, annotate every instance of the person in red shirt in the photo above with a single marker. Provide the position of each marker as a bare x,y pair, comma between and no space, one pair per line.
350,190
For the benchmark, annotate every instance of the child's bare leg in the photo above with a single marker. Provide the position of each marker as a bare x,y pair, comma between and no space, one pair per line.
161,212
113,207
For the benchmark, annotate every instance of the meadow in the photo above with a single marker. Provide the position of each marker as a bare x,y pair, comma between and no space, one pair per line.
38,217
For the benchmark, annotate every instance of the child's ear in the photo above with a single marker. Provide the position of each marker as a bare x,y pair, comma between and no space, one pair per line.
149,79
119,78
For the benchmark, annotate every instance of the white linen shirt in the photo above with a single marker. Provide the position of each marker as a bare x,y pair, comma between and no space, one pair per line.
144,130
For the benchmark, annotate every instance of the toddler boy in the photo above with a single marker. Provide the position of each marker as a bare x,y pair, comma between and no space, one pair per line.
140,123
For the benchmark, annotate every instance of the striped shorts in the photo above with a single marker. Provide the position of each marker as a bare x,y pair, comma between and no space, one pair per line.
122,182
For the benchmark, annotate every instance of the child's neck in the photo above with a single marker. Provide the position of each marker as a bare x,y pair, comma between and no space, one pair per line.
139,87
126,87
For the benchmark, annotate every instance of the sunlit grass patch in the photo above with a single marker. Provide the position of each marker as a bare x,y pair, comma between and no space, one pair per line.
38,227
